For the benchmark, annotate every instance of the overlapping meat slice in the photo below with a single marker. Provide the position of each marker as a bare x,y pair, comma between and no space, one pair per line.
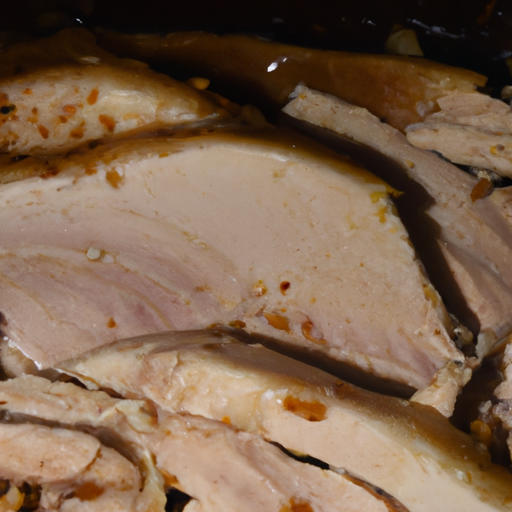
402,90
225,469
55,417
59,92
473,233
220,467
74,470
407,449
253,228
470,129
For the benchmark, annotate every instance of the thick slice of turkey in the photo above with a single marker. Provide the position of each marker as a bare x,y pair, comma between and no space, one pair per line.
409,450
474,234
76,472
248,227
223,469
115,424
470,129
401,89
59,92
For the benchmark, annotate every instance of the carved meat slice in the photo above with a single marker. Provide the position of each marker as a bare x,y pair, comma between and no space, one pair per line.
407,449
223,469
401,89
75,471
471,129
115,423
474,234
251,228
59,92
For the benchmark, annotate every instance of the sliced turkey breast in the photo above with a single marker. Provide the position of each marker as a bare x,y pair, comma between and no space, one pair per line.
228,470
31,400
473,233
75,472
470,129
59,92
408,450
220,467
253,228
401,89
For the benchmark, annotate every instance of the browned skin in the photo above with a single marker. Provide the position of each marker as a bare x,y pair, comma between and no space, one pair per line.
63,91
402,90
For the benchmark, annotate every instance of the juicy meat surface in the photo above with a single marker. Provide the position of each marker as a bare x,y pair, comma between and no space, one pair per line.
409,450
221,468
225,469
401,89
252,228
470,129
75,471
114,424
59,92
473,234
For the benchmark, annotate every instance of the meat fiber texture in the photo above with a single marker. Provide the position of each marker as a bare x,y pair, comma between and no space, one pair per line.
502,407
408,450
473,232
470,129
63,91
219,467
250,228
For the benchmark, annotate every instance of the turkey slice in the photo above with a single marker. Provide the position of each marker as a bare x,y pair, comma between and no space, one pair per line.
407,449
473,233
59,92
75,472
220,467
251,228
470,129
400,89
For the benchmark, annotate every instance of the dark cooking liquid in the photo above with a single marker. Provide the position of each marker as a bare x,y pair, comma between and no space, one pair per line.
476,34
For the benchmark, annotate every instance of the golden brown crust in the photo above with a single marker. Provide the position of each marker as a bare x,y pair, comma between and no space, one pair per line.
400,89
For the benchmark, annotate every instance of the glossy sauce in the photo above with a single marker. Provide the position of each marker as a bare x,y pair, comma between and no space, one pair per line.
469,33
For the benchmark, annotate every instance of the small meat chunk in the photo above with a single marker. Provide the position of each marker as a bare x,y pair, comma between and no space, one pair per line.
470,129
503,393
32,398
75,471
